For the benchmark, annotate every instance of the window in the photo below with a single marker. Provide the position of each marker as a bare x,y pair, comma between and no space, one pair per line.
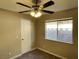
59,31
51,30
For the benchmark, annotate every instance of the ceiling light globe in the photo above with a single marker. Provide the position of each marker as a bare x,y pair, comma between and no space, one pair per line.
32,13
35,14
38,14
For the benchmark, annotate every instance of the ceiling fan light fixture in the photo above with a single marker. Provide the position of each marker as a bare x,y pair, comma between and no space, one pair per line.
36,14
36,9
32,13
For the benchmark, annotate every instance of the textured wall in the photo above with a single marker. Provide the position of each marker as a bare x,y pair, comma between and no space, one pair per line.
10,33
63,49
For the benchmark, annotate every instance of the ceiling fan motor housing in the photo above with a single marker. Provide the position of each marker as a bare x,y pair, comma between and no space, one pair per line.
35,7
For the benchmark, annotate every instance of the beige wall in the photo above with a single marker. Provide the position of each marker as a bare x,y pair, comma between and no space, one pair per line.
66,50
10,33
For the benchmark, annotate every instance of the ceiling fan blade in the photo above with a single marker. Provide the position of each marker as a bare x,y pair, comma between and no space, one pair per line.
25,11
23,4
46,11
48,4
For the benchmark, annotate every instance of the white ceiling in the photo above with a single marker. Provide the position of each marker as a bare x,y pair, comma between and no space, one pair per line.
58,6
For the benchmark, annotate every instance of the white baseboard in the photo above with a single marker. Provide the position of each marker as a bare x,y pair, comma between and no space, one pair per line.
51,53
15,56
41,50
21,54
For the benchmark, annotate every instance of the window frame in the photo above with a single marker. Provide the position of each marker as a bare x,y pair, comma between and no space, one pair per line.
56,20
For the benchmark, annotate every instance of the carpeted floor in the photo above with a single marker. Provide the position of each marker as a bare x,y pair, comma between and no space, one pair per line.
37,54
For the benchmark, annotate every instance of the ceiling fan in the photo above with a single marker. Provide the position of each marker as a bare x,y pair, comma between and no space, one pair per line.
36,9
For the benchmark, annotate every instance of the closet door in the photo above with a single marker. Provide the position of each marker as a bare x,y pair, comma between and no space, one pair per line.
26,35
